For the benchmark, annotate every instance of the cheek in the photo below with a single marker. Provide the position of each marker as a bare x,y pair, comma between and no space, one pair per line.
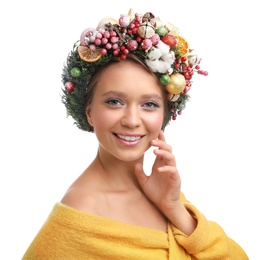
102,118
155,122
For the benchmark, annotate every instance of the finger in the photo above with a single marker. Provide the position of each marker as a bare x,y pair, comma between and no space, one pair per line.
161,136
165,156
161,145
171,171
160,141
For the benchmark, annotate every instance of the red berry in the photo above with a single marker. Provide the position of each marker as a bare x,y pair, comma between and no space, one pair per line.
104,40
113,33
134,30
116,52
132,45
125,51
139,39
108,46
122,56
103,51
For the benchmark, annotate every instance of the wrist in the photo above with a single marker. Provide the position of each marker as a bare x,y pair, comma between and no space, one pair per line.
180,217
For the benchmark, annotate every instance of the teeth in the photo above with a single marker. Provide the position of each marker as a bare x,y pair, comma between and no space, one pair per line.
129,138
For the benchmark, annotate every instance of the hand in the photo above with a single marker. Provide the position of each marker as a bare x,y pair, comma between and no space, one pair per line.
163,185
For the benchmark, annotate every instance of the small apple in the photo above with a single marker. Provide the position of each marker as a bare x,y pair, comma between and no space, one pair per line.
170,40
69,86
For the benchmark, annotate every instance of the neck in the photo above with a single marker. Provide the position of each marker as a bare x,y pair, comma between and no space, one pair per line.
115,174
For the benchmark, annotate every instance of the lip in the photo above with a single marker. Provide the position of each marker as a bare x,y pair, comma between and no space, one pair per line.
129,139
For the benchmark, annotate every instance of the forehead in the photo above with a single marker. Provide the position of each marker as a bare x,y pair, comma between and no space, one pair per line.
131,74
126,67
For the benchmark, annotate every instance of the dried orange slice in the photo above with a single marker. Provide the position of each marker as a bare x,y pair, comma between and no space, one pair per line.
182,45
87,55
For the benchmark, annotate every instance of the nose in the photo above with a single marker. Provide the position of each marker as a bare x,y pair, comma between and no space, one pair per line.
131,117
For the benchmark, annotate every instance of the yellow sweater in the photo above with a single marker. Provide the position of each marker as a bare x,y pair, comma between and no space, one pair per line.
69,234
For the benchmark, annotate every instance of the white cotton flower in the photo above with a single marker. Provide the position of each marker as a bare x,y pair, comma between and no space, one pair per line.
170,71
154,54
160,58
169,57
152,64
164,48
162,66
158,65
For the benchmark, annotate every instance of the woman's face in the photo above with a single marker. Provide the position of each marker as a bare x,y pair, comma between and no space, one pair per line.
127,110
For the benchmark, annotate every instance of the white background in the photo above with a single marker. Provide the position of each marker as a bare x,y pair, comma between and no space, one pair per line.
223,141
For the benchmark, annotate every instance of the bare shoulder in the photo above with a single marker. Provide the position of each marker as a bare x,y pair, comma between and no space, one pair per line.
80,195
75,197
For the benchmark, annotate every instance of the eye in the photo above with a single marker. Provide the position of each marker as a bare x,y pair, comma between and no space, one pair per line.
113,102
150,105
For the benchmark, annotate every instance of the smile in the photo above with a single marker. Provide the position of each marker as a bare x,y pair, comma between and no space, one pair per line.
129,138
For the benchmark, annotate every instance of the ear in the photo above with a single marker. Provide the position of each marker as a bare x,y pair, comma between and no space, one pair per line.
89,115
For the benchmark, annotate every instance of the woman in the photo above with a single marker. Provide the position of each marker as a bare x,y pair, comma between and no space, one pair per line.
126,95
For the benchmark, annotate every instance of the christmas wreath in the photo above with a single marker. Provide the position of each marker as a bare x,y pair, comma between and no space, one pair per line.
163,50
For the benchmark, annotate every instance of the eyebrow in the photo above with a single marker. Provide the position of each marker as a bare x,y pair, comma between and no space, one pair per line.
116,93
123,95
152,96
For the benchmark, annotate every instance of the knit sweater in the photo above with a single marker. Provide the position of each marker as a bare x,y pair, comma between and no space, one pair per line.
69,234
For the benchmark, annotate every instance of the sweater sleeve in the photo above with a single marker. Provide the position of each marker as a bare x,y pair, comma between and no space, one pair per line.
208,241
